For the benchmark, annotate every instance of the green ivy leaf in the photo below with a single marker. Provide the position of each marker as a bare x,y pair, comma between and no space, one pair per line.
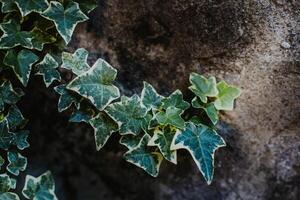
172,116
203,87
84,114
6,137
40,188
21,63
129,114
28,6
17,163
47,68
9,196
87,5
20,139
39,38
15,118
67,98
163,140
227,95
144,158
131,141
6,183
76,62
1,162
104,127
65,19
13,36
8,95
209,109
201,142
150,98
8,6
175,100
96,84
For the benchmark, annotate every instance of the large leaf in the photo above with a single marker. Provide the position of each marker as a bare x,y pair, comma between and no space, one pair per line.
129,114
28,6
201,142
21,62
6,137
7,95
47,68
150,98
227,95
203,87
175,100
8,6
13,36
76,62
39,38
40,188
67,98
65,19
96,84
163,140
17,163
172,116
103,126
209,109
144,158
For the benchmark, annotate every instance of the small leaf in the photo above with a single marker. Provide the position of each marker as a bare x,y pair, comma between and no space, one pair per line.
104,127
144,158
6,183
129,114
227,95
65,19
13,36
8,6
6,137
39,38
67,98
163,140
15,118
87,5
175,100
1,162
40,188
172,116
209,109
203,87
28,6
131,141
96,84
84,114
150,98
201,142
47,68
21,63
7,95
20,139
17,163
76,62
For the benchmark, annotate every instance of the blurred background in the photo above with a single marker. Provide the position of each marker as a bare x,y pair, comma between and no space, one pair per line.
254,44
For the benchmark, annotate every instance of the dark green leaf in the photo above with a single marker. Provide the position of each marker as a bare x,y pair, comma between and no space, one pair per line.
39,38
6,137
67,98
17,163
208,108
76,62
172,116
150,98
28,6
47,68
8,6
7,95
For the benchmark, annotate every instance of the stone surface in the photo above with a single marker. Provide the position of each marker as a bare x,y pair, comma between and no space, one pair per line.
162,42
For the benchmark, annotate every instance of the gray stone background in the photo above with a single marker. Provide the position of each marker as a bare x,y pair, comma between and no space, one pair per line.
254,44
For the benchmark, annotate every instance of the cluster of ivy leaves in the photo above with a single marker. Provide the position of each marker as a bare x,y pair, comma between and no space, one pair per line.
33,35
152,127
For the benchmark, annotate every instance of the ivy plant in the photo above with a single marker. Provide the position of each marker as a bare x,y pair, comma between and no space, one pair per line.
152,127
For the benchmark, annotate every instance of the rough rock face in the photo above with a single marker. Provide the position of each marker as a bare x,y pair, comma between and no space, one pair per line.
254,44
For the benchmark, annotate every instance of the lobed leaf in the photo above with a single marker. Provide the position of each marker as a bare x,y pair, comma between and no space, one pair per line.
83,114
208,108
76,62
150,98
17,163
6,137
28,6
8,95
172,116
39,38
175,100
131,141
67,98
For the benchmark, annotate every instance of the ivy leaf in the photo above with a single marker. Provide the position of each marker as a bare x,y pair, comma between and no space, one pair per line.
6,183
1,162
7,95
203,87
163,140
84,114
40,188
104,127
87,5
67,98
96,84
144,158
47,68
150,98
20,139
65,19
6,137
129,114
175,100
8,6
201,142
131,141
9,196
39,38
28,6
13,36
170,117
76,62
227,95
209,109
15,118
21,63
17,163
